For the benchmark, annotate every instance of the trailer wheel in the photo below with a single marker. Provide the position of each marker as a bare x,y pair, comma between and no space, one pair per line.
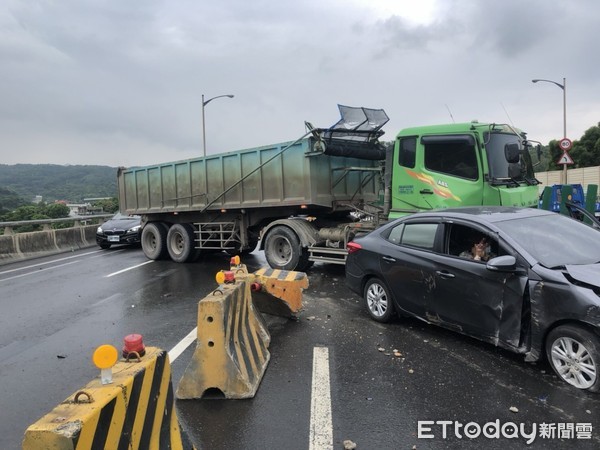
283,250
154,240
180,243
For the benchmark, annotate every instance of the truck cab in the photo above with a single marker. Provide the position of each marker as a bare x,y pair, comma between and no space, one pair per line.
445,166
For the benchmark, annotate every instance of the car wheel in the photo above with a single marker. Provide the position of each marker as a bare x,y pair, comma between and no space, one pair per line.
154,240
574,354
378,300
104,246
180,243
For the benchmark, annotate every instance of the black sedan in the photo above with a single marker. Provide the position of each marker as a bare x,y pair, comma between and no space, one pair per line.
523,279
120,229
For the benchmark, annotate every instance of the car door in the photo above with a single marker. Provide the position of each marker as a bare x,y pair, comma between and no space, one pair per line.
406,264
472,299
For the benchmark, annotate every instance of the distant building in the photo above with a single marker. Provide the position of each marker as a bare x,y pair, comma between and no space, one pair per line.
78,209
37,199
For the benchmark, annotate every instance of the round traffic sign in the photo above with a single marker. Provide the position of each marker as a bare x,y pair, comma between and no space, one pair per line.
565,144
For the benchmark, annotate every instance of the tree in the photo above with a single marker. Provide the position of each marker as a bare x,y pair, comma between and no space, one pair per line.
22,213
57,210
109,205
9,200
586,151
554,154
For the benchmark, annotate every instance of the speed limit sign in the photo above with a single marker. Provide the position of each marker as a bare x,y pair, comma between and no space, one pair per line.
565,144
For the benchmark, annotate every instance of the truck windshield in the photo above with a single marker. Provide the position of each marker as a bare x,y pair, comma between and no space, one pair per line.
502,168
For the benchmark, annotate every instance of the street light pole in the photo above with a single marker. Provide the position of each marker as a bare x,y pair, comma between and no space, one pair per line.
204,103
563,86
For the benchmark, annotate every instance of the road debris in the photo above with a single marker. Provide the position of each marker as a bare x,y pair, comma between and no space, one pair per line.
349,445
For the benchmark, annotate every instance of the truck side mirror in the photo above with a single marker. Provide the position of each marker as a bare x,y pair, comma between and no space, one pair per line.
511,153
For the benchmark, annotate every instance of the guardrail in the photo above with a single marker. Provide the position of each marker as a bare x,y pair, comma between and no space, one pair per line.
77,222
32,244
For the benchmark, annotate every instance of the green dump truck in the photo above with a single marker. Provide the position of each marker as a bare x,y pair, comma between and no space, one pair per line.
304,200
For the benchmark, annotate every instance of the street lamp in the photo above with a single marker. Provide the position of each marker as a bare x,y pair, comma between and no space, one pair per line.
563,86
204,103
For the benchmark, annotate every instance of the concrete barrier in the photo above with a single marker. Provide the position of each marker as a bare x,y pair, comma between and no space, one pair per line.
274,291
22,246
278,292
136,411
231,353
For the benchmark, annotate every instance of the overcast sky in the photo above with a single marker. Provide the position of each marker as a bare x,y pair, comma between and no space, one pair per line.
120,83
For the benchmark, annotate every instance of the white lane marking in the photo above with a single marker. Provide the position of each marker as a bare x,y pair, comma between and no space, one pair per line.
128,269
182,345
106,300
321,428
38,272
50,262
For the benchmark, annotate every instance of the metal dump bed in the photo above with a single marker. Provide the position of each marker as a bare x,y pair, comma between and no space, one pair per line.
286,174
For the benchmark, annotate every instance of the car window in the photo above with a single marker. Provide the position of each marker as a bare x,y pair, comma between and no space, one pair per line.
395,234
420,235
120,216
460,241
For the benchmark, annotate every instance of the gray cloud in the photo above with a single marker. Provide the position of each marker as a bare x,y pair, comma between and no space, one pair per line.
120,83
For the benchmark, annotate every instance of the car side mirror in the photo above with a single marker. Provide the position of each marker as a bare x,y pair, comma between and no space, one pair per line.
506,263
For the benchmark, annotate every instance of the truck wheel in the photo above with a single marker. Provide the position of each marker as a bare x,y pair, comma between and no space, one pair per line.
154,240
180,243
283,250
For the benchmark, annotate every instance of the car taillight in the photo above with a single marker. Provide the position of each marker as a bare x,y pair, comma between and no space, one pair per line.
353,247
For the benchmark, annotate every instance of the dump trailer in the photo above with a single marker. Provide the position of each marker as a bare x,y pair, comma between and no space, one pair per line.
305,200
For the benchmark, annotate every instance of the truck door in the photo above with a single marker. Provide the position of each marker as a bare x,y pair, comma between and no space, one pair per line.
443,171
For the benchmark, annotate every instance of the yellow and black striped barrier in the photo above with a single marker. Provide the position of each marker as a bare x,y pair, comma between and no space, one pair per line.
135,411
231,350
274,291
279,292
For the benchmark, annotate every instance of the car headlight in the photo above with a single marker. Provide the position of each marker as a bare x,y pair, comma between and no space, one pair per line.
134,229
99,230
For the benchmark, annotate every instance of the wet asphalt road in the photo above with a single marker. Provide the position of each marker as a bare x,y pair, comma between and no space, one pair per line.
55,311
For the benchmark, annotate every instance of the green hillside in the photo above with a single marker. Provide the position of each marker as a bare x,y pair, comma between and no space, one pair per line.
55,182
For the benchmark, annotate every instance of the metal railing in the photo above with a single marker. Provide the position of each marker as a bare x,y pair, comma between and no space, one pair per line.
78,221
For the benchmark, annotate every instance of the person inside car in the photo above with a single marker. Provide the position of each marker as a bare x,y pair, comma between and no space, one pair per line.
480,249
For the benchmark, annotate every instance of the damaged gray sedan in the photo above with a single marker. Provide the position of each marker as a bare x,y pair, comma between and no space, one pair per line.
523,279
